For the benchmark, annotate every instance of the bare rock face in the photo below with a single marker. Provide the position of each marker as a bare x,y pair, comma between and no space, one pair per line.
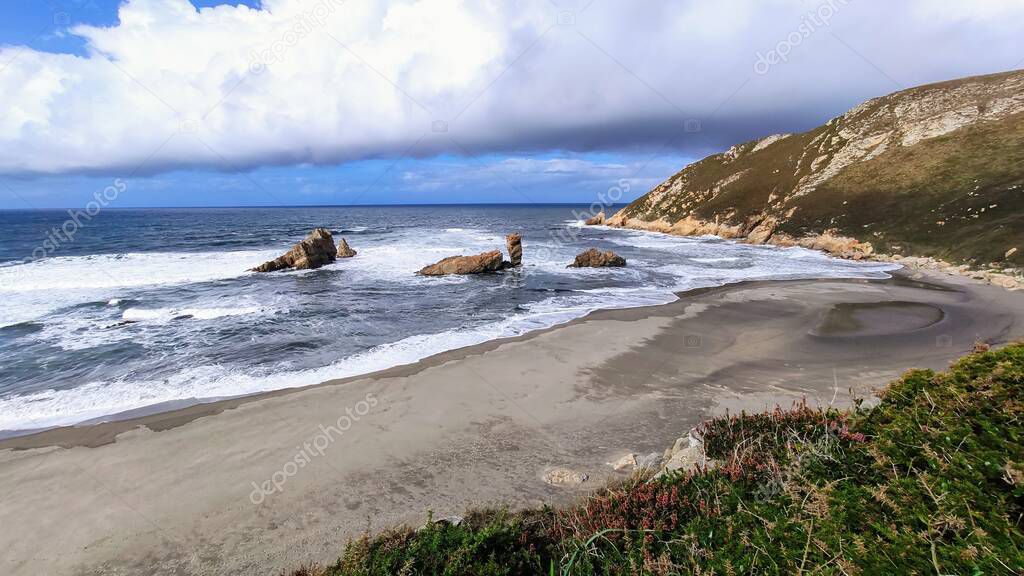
344,250
594,258
514,242
312,252
479,264
596,220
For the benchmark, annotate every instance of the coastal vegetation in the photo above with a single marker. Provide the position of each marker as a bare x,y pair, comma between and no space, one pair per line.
928,481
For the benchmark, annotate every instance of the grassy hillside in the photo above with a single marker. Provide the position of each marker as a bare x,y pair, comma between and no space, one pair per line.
932,171
959,197
930,481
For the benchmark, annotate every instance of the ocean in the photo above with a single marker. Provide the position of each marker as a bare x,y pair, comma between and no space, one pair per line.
143,307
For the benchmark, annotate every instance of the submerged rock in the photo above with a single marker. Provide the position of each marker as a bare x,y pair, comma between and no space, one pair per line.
312,252
479,264
514,242
594,258
344,250
596,220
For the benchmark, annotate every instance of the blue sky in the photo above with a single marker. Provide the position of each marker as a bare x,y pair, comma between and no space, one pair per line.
291,102
39,23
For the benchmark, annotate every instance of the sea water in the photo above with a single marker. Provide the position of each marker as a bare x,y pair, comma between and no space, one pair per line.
150,306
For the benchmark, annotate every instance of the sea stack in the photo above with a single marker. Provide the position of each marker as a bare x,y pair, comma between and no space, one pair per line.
344,250
514,242
312,252
597,220
594,258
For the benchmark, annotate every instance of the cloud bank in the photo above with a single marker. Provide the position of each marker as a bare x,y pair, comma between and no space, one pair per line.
323,82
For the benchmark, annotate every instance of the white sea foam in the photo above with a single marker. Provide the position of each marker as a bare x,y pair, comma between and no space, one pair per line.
716,260
167,314
128,270
35,289
96,399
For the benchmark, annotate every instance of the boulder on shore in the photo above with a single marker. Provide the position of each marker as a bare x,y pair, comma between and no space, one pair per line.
514,242
594,258
596,220
479,264
312,252
344,250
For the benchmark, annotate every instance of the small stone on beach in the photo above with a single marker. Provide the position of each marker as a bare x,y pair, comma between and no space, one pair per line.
627,462
564,477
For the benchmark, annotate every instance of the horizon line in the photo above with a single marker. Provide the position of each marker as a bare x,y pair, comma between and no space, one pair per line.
259,206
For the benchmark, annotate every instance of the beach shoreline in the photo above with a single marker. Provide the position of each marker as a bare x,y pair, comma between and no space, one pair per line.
102,430
243,486
95,432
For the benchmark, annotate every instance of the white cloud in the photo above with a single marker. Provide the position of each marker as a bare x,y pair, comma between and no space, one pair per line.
326,81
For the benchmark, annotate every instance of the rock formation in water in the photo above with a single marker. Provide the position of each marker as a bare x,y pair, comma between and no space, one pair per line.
596,220
479,264
936,171
344,250
514,242
594,258
312,252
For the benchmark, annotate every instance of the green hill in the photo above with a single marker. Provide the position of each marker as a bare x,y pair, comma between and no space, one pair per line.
934,171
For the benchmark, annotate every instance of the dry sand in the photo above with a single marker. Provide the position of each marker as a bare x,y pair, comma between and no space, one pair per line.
173,493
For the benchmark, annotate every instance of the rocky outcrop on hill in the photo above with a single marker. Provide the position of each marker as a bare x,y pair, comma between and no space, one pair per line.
344,250
312,252
514,243
933,171
479,264
594,258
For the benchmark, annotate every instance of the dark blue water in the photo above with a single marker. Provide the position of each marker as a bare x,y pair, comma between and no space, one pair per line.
138,307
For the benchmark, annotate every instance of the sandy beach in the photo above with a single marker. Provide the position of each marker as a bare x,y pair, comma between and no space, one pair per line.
266,483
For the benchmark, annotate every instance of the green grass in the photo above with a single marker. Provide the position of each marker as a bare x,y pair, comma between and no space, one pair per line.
930,481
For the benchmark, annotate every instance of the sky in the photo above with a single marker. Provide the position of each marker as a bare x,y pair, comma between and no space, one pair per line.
334,102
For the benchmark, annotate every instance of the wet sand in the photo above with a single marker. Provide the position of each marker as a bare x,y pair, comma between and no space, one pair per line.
264,483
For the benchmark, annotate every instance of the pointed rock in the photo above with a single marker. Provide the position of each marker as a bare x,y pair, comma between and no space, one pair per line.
312,252
344,250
